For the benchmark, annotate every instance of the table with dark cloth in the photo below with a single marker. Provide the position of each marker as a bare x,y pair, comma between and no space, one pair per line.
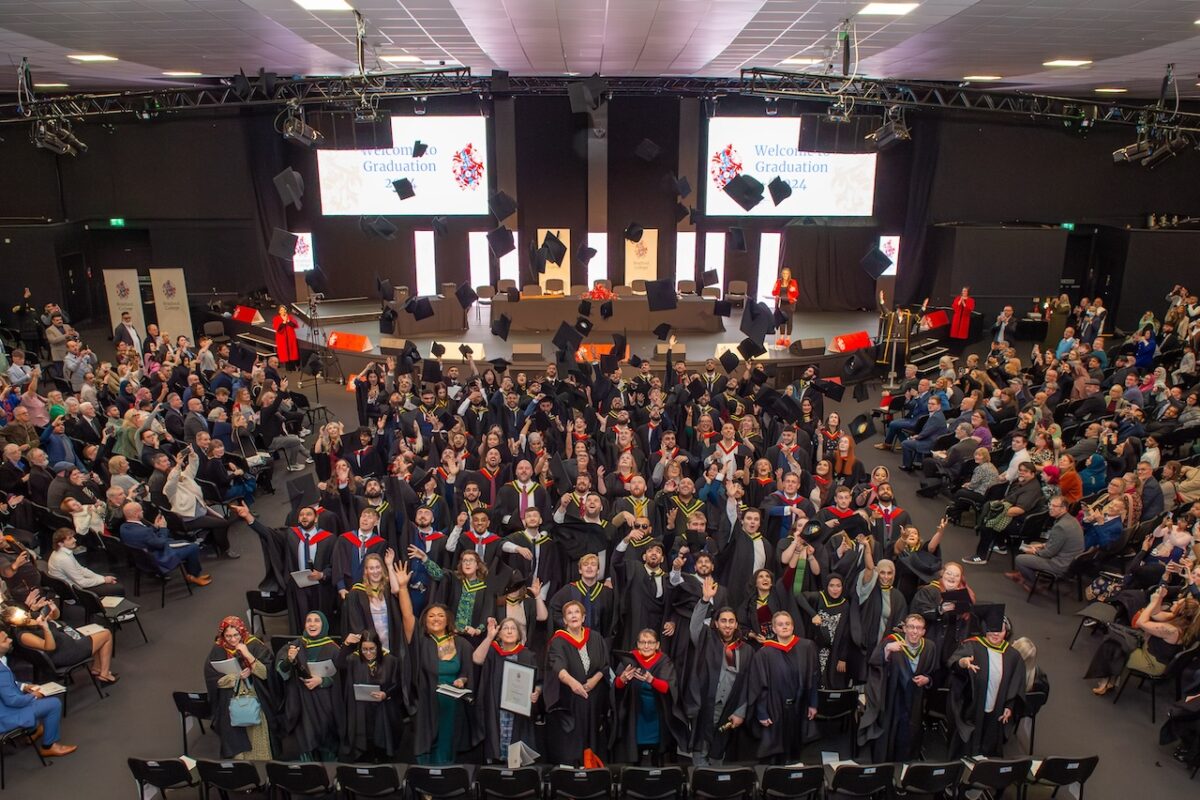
536,314
448,317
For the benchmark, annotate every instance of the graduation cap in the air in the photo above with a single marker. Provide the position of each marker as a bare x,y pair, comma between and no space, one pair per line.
831,389
513,294
383,287
744,190
737,240
634,231
567,337
585,254
501,241
751,348
404,188
431,371
991,616
537,257
662,331
583,325
757,320
290,185
647,150
606,309
440,225
681,212
709,278
502,206
660,295
585,307
729,361
419,477
437,349
677,186
419,307
559,471
242,357
693,215
696,388
419,148
302,491
861,428
788,409
501,326
466,350
758,376
779,316
722,308
636,361
619,344
610,363
556,251
283,244
500,364
466,295
409,355
387,319
780,190
377,228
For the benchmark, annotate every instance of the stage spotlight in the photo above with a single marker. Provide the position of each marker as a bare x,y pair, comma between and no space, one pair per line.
1168,147
840,110
772,106
419,107
296,130
892,132
56,136
1131,152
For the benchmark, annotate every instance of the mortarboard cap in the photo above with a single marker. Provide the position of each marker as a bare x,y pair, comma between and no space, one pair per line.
377,228
283,244
501,241
722,308
696,388
437,349
660,295
757,320
875,262
779,316
290,185
585,254
466,295
681,212
418,477
787,408
583,325
419,307
559,471
302,491
431,371
990,616
404,188
606,309
567,337
556,251
499,363
537,257
758,376
502,206
513,295
751,348
619,344
737,240
831,389
242,357
663,331
634,232
466,350
501,326
861,428
679,187
647,150
709,278
636,361
779,189
693,215
585,307
419,148
729,361
610,363
744,190
440,225
384,288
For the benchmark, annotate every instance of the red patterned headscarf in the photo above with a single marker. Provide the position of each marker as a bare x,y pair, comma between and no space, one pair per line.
232,622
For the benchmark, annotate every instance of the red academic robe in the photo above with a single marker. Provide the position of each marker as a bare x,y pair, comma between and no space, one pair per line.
285,339
960,325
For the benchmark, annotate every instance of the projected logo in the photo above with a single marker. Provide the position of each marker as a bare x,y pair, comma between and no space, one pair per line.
122,290
468,168
725,165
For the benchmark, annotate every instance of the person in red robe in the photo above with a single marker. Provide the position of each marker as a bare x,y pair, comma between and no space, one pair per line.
960,324
285,339
786,293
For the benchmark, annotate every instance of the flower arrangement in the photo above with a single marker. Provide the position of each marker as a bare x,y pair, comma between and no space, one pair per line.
599,292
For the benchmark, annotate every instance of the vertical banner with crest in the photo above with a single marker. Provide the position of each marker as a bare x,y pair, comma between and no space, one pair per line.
171,302
641,257
124,295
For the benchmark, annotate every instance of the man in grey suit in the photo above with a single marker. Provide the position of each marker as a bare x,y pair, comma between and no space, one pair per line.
1063,544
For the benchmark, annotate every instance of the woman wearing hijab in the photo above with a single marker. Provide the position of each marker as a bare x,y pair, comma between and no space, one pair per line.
504,643
312,703
371,723
648,714
437,656
829,630
234,641
575,688
371,603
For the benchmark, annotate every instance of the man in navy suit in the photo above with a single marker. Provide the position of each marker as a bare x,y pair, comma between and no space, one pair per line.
157,542
922,443
22,705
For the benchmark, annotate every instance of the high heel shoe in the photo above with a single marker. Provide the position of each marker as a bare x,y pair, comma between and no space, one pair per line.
1100,691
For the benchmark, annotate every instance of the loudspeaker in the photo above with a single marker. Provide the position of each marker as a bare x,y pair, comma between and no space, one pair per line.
875,263
808,347
527,353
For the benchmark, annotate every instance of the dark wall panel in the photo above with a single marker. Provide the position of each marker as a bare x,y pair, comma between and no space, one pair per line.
1155,262
1007,265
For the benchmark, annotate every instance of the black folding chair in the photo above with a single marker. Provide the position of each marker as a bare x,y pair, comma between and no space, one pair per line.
111,618
195,705
568,783
264,604
650,783
791,783
723,783
46,670
442,782
298,779
1060,771
239,777
368,780
995,775
935,779
144,564
502,783
13,736
1173,673
163,775
860,780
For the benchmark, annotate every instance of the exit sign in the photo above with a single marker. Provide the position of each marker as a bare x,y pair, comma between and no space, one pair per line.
117,222
1066,226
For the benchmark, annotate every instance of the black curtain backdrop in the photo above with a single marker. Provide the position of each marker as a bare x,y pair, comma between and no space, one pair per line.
265,154
913,280
825,262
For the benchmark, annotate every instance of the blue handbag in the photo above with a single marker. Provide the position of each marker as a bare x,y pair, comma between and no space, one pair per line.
244,710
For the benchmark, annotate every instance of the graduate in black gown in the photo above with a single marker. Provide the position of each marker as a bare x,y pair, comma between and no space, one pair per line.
898,674
829,628
643,592
768,598
312,705
371,728
441,725
876,609
946,606
576,690
980,716
308,547
371,604
504,642
648,715
233,640
782,693
598,601
715,692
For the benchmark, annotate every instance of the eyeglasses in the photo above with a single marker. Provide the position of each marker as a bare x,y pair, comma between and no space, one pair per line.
641,526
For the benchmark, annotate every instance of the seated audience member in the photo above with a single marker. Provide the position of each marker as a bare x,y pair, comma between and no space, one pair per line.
155,540
38,628
22,705
1064,543
62,565
1166,632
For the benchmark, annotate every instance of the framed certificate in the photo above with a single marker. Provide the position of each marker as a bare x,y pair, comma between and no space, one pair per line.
516,685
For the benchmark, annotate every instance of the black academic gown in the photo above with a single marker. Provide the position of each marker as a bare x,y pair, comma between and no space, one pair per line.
575,723
236,740
735,560
311,598
452,590
639,604
865,617
783,686
944,631
356,615
832,636
421,668
700,692
672,721
578,538
487,704
891,723
369,727
752,617
313,717
598,602
977,732
546,565
348,554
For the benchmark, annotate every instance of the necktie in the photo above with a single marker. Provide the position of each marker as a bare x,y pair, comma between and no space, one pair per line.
524,499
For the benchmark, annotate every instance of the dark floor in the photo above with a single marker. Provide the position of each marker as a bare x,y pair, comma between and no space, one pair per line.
139,719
